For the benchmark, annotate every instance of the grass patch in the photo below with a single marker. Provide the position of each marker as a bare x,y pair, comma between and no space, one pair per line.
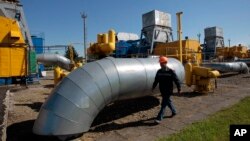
215,127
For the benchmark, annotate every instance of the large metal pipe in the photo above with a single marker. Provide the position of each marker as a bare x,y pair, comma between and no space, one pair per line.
76,101
228,66
245,60
54,59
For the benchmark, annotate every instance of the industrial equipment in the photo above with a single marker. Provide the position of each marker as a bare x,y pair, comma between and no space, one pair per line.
54,59
85,91
229,53
122,36
201,77
179,31
157,41
105,44
59,74
17,59
191,50
224,67
81,95
215,50
12,9
13,50
156,28
224,59
38,43
213,39
60,62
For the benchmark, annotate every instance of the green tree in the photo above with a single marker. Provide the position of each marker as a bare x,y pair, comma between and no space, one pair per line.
67,52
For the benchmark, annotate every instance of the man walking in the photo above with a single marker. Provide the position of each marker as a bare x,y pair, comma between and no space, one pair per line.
165,77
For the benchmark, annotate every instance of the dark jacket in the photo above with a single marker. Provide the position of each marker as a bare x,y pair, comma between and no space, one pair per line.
165,77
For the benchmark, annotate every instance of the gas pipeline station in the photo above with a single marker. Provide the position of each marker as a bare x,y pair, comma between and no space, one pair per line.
118,66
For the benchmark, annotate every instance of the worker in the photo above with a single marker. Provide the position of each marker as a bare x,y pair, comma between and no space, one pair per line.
165,77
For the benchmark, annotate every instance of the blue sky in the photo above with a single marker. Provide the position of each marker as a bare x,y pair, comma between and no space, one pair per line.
61,23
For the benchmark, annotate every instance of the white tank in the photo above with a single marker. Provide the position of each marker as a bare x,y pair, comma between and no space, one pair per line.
126,36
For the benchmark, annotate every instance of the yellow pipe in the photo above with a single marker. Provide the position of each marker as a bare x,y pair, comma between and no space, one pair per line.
201,71
99,38
111,36
188,74
214,74
105,44
57,75
107,48
105,38
179,33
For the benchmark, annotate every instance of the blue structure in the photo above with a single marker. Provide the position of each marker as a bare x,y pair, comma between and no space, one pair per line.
129,48
122,48
5,81
38,44
40,69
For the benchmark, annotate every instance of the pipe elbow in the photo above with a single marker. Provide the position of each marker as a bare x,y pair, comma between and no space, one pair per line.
107,48
214,74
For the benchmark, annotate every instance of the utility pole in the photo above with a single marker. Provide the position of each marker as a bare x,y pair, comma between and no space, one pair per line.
199,37
84,17
229,42
179,33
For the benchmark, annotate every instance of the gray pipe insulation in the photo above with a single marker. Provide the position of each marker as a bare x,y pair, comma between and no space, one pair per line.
54,59
228,66
75,102
245,60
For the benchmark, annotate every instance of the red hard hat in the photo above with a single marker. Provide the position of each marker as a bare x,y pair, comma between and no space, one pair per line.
163,59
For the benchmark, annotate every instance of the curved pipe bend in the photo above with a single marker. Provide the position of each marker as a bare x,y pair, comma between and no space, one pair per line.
54,59
76,101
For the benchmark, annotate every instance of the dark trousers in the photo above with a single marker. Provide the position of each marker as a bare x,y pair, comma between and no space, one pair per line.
166,101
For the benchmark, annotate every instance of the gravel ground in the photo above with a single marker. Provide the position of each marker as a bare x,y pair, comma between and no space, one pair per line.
2,107
128,119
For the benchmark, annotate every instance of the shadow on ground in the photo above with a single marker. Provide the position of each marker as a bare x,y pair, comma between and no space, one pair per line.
225,75
115,126
103,122
35,106
49,86
124,108
22,131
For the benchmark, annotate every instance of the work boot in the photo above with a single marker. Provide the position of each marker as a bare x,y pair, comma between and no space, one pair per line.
173,114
